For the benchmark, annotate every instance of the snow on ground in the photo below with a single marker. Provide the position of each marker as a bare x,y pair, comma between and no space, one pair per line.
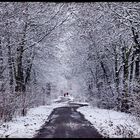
82,103
111,123
27,126
63,99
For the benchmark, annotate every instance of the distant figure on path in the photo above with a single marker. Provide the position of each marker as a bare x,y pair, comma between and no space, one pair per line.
66,94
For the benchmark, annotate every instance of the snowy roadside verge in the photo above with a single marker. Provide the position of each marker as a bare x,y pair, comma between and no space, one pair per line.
111,123
27,126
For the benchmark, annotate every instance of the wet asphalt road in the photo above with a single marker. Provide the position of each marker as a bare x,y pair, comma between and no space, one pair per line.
67,122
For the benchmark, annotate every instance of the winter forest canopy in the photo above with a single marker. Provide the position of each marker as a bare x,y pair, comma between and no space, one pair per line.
91,50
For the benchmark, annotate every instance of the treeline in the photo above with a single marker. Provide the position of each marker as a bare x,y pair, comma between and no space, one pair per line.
104,53
110,33
27,29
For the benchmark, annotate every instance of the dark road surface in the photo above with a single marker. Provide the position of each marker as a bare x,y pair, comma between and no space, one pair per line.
66,122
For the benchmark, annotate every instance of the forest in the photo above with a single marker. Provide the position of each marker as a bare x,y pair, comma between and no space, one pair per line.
90,49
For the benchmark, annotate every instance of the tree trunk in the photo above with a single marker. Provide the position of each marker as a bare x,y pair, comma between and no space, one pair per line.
20,85
117,81
19,76
10,66
136,52
29,68
1,62
131,71
124,100
116,70
137,69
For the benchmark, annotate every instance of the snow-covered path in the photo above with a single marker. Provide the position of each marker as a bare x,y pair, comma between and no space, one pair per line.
66,122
